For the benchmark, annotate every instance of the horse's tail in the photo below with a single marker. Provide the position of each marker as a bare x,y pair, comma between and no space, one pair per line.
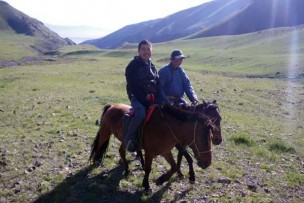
105,108
97,151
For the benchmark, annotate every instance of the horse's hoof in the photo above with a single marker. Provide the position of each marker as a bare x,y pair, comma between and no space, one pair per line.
96,164
180,176
191,181
126,173
148,191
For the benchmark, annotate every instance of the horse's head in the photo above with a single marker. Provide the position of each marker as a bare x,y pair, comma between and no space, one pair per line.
211,109
201,145
194,130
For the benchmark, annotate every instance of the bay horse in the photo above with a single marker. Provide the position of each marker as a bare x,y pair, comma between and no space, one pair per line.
167,127
211,109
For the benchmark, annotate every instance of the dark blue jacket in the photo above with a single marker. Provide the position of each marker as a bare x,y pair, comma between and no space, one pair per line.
142,79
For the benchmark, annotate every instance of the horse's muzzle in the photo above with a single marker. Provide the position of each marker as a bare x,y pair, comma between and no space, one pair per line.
216,137
203,164
217,141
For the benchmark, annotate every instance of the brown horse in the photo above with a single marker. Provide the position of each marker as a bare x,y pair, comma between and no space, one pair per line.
167,127
210,109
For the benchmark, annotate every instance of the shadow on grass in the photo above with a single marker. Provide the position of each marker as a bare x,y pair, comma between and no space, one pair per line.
104,187
158,196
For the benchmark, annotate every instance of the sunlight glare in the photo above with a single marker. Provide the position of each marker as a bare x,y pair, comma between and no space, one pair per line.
293,70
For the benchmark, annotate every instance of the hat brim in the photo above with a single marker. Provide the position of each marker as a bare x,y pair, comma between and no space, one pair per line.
179,57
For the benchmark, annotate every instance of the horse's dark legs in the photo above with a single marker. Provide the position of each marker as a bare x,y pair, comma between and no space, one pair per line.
165,177
190,163
141,158
179,160
148,163
183,152
122,152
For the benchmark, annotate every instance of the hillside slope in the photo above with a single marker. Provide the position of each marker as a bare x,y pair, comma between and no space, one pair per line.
15,22
259,15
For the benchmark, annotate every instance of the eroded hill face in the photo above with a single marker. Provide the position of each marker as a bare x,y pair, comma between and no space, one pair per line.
13,20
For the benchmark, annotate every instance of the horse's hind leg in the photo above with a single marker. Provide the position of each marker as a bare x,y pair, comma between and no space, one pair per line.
139,155
165,177
148,163
122,152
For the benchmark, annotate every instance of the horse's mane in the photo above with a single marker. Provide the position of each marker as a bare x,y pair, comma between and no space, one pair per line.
200,107
182,114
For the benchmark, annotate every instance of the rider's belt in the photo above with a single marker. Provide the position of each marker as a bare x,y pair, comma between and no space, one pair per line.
172,97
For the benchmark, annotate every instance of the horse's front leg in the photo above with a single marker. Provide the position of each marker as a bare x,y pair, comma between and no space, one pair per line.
190,163
183,152
148,163
165,177
122,152
179,160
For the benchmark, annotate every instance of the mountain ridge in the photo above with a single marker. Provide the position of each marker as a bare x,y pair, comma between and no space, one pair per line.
215,18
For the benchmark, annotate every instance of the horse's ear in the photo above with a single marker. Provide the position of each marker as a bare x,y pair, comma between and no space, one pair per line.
204,102
214,102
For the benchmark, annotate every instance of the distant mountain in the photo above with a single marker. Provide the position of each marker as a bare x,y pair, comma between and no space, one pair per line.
259,15
12,20
78,33
218,17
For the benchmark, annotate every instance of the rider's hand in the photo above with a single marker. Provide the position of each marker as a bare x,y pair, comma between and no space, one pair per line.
150,98
194,102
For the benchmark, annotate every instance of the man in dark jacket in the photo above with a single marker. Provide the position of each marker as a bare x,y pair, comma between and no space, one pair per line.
174,81
142,88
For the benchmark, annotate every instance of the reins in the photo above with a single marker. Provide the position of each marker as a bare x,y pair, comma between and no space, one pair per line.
169,126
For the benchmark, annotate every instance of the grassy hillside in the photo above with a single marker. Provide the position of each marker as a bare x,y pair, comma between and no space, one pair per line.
15,25
276,53
265,53
15,47
48,111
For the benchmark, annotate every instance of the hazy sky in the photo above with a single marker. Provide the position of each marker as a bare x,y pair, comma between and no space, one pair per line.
106,16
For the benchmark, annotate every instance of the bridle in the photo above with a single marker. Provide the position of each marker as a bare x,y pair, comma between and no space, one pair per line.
193,142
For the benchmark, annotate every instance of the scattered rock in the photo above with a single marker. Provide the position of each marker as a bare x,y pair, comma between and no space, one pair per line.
223,180
267,190
252,187
3,163
60,132
38,163
17,190
243,194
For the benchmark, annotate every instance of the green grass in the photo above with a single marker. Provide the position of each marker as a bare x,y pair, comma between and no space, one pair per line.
281,147
243,140
48,113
